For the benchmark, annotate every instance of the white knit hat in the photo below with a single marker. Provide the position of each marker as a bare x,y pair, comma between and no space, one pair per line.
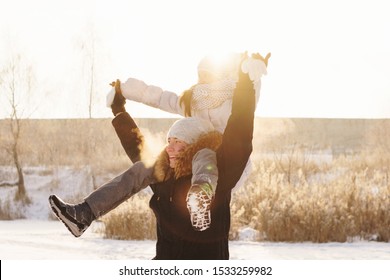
189,129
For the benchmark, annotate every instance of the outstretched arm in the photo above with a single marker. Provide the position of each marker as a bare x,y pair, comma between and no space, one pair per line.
138,91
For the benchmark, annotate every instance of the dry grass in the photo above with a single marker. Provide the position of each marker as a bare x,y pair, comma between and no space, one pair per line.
132,220
345,202
77,143
5,212
349,200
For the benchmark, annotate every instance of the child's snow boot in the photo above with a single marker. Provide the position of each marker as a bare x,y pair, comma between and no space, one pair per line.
199,200
76,217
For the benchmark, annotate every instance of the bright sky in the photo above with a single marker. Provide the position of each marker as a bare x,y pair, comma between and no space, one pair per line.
329,58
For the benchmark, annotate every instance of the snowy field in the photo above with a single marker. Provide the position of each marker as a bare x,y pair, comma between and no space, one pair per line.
39,238
50,240
42,246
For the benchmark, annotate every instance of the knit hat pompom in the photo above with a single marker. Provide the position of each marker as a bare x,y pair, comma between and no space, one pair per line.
189,129
223,66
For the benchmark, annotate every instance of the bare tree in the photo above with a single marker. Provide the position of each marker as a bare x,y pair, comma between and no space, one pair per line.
294,161
16,82
91,48
87,47
285,160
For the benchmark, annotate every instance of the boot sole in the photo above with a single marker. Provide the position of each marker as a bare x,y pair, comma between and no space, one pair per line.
70,223
201,216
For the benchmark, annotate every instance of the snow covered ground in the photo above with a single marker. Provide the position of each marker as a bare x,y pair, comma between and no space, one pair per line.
43,248
40,245
37,237
50,240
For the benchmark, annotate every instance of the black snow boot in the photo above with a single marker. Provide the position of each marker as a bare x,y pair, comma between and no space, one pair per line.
76,217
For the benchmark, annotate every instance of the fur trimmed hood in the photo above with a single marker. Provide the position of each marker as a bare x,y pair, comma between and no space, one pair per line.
162,170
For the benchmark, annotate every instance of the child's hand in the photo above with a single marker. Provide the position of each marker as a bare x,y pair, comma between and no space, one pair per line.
259,56
255,66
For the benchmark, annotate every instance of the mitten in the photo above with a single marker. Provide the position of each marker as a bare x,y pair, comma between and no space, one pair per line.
255,66
259,56
118,102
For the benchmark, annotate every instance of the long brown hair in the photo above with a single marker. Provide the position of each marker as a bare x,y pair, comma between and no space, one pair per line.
185,101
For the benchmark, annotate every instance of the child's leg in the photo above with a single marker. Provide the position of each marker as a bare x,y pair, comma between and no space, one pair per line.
78,217
204,183
204,169
119,189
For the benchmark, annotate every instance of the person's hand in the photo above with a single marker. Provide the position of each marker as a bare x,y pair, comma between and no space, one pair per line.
255,66
118,104
259,56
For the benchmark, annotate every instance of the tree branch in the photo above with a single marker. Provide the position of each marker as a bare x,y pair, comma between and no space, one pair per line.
8,184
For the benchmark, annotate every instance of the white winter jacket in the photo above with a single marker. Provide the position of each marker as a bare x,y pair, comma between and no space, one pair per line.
139,91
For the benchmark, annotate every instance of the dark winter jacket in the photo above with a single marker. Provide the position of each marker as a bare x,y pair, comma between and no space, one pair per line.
176,239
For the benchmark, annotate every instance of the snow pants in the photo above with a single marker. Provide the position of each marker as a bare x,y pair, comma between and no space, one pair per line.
118,190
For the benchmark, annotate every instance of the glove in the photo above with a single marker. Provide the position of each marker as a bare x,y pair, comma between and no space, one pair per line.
259,56
118,102
255,66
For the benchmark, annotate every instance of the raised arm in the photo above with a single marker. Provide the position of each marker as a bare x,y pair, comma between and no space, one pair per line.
130,136
137,90
236,147
127,130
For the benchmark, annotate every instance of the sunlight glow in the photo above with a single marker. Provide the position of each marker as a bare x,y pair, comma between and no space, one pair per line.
319,67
